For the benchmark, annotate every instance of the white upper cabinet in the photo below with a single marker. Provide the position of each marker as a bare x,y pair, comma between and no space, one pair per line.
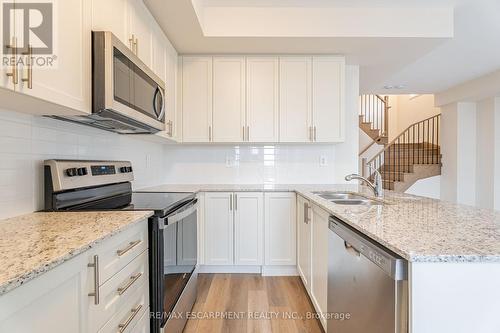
68,83
173,116
262,99
197,99
248,228
328,98
228,99
159,57
116,23
295,99
140,33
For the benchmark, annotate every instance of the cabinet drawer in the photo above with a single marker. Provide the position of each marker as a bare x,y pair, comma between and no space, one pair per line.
143,325
130,317
120,250
117,292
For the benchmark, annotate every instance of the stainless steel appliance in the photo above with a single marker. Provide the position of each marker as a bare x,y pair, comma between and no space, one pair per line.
127,96
106,185
367,284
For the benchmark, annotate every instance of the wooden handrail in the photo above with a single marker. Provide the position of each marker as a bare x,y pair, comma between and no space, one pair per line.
417,144
401,134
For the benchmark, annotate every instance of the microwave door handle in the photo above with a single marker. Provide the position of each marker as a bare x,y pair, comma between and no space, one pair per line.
155,96
179,216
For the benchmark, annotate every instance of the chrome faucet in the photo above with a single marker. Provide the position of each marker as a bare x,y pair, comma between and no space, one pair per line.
376,186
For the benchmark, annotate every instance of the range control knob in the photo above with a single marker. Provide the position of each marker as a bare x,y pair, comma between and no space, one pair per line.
82,171
129,169
71,172
123,169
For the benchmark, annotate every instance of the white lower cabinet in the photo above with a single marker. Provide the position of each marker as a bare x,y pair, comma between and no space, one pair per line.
64,299
280,228
319,263
233,228
304,234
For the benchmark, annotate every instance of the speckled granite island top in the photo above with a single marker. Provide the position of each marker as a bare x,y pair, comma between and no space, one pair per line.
418,229
35,243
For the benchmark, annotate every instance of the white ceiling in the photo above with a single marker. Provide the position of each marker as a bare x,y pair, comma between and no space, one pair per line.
424,58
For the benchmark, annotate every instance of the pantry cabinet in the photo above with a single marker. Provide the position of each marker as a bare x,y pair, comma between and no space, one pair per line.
196,99
233,228
304,234
295,99
228,119
262,118
280,228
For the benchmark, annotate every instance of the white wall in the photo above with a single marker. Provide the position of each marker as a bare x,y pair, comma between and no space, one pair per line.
25,141
427,187
485,157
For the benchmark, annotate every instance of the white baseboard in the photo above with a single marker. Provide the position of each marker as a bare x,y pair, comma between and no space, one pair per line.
230,269
279,271
263,270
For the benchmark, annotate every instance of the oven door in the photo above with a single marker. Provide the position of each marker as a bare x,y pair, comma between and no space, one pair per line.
178,282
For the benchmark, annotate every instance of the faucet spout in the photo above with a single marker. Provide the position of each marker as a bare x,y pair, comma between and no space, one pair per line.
376,186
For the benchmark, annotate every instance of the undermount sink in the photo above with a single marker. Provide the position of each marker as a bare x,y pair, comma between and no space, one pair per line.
341,198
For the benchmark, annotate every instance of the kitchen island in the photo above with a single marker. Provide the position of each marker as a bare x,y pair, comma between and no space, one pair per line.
453,250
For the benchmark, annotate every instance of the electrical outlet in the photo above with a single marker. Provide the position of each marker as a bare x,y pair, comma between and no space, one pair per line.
229,162
323,161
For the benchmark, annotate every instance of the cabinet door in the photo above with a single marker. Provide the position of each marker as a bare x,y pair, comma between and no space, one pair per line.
14,29
218,228
295,99
229,99
159,64
172,114
196,99
248,228
116,23
304,225
328,98
319,287
280,229
68,83
54,302
262,99
141,28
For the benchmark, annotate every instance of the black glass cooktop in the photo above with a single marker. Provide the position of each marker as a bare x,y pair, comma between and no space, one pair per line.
162,203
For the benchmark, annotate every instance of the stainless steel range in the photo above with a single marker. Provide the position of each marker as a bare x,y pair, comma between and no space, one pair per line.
106,185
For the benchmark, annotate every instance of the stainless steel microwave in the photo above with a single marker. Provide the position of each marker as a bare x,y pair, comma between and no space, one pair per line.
127,96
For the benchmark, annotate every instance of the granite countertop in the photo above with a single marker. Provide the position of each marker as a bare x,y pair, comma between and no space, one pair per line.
35,243
418,229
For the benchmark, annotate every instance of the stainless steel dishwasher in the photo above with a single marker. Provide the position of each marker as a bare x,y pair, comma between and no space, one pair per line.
367,284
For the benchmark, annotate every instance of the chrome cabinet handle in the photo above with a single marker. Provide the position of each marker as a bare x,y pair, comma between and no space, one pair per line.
169,126
209,133
310,133
248,133
13,74
136,45
131,42
133,278
123,327
130,246
95,265
244,135
314,131
235,201
29,79
306,213
230,202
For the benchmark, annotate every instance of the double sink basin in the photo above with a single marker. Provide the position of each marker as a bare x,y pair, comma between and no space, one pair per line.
344,198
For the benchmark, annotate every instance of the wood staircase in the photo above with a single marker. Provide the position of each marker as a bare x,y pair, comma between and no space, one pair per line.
414,154
373,117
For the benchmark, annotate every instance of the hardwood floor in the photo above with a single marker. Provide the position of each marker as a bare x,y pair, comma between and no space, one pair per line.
251,303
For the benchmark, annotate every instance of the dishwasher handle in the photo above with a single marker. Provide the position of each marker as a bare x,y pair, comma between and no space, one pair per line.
360,245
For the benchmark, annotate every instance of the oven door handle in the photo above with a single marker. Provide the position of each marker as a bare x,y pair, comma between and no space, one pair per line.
182,214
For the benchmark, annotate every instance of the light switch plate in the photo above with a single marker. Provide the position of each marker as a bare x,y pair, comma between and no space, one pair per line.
323,161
